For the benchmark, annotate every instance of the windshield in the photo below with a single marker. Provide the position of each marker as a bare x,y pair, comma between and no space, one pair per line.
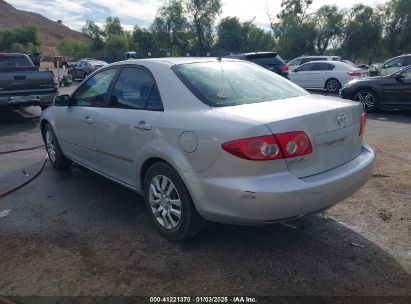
233,83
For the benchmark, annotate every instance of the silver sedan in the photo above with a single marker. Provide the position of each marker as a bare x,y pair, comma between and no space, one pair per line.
211,139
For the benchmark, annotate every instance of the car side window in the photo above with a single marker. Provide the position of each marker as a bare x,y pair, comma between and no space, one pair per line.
397,62
295,62
154,102
93,92
322,67
407,61
306,67
132,89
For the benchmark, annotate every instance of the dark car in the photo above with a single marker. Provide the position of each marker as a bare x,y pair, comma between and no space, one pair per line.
22,85
269,60
385,91
85,67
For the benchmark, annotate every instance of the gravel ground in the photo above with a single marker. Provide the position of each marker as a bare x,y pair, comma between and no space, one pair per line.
75,233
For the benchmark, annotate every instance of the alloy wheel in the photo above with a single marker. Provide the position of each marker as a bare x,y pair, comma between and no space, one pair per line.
165,202
366,98
51,147
332,85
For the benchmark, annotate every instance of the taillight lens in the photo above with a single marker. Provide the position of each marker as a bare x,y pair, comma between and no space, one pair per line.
363,120
284,68
270,147
294,143
354,73
255,148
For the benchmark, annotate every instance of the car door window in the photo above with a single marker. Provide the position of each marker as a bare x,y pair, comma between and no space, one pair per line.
93,92
295,62
322,67
154,102
407,61
397,62
305,67
132,89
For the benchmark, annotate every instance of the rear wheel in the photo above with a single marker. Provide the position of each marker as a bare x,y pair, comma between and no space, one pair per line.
169,203
56,156
368,98
332,85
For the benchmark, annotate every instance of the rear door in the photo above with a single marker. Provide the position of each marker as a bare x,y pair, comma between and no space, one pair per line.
301,75
127,124
76,122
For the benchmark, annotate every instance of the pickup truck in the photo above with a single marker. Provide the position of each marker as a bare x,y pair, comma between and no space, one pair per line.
22,85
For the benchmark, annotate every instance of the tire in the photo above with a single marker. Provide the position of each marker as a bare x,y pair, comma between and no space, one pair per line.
332,85
368,98
176,221
56,156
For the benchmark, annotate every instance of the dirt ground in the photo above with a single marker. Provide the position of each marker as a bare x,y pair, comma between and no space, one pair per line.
75,233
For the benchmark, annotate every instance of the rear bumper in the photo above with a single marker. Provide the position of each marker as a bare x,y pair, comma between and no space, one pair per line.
277,197
27,100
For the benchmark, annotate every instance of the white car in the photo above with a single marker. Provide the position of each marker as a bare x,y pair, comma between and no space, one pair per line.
297,62
394,64
325,75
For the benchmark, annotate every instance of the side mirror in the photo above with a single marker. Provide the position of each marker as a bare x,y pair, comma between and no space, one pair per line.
62,101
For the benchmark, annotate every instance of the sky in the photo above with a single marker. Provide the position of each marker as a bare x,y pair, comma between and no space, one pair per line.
74,13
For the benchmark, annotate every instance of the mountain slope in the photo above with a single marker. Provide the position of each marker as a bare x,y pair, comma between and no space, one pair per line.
51,32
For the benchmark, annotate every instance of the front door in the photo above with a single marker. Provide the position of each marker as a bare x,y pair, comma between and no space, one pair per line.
76,122
127,124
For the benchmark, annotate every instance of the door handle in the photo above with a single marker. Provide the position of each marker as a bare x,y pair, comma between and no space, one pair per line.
88,120
142,125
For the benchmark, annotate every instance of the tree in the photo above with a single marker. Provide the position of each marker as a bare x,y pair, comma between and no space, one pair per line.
95,33
230,34
116,46
170,27
24,39
397,17
143,40
294,32
329,25
203,14
363,33
73,47
113,27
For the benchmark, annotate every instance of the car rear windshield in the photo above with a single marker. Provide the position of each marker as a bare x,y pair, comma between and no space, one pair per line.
228,83
266,59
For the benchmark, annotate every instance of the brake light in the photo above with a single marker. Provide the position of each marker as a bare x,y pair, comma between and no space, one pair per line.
363,120
270,147
254,148
284,68
351,73
294,143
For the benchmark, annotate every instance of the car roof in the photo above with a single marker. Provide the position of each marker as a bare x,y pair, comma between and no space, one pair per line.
317,56
171,61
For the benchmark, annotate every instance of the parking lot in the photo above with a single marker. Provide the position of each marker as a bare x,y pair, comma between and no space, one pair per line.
76,233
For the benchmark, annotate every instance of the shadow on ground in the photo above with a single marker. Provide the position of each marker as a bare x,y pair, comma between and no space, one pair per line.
75,233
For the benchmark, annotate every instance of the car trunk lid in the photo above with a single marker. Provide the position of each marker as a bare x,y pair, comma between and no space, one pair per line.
331,124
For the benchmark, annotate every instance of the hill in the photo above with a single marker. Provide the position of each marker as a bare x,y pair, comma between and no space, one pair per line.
51,32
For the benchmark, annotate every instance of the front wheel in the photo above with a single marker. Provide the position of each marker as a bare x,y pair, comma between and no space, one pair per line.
56,156
169,203
368,99
332,85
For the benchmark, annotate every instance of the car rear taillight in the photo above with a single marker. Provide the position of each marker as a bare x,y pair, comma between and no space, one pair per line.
270,147
255,148
294,143
363,120
284,68
351,73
